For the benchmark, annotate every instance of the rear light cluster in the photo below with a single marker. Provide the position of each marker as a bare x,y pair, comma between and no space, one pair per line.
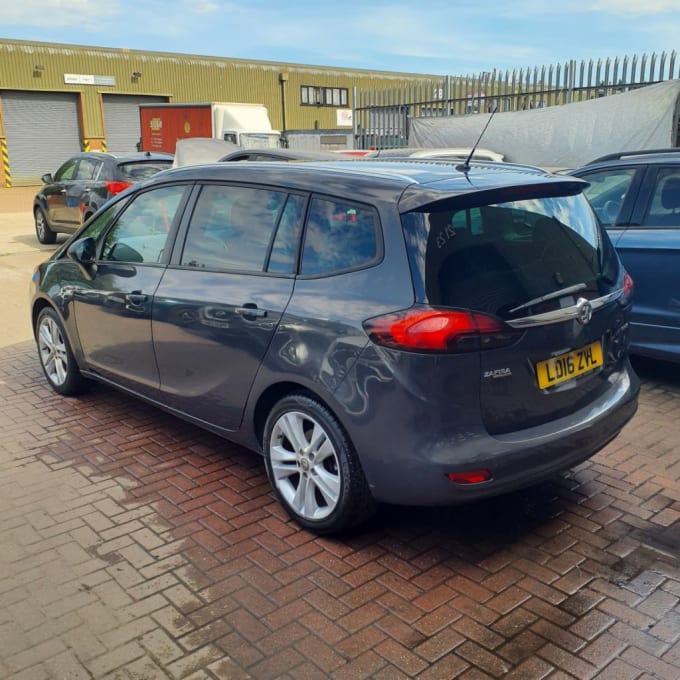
117,187
628,286
428,329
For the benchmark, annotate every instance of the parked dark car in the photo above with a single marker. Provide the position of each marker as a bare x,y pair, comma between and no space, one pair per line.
404,332
84,183
636,195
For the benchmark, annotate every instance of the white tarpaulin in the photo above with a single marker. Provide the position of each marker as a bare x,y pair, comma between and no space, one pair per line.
197,150
565,136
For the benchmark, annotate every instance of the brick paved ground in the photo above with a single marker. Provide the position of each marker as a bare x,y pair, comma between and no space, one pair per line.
134,546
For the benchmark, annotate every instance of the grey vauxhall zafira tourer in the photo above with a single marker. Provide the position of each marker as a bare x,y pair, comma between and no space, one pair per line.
407,332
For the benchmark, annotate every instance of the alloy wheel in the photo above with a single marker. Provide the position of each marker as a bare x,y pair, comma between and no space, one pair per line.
305,465
52,349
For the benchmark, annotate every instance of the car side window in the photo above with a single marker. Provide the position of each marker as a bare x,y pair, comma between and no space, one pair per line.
98,226
339,236
664,208
141,231
87,168
285,247
67,171
607,191
232,227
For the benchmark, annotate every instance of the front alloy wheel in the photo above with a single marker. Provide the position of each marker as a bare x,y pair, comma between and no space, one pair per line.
55,355
313,467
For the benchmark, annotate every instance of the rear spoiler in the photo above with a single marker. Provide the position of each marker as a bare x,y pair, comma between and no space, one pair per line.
454,196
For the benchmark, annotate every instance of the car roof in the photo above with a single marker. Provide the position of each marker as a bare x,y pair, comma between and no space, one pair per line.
640,157
126,156
411,184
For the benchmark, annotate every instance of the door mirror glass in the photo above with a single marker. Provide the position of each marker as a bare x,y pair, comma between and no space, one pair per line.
47,178
83,251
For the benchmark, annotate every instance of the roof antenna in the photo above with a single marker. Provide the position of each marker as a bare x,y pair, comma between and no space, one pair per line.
466,166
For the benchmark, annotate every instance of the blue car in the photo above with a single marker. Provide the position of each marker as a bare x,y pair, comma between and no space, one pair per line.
400,332
636,196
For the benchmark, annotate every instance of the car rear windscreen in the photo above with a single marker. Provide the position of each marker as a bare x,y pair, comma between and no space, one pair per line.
137,171
495,258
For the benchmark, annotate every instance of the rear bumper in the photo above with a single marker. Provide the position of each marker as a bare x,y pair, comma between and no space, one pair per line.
414,471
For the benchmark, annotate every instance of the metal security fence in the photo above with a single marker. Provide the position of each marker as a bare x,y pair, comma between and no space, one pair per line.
381,117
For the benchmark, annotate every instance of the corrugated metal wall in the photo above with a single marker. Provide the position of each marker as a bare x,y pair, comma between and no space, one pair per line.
182,78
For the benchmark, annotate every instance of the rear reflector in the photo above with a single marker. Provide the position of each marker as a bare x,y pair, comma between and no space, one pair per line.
116,187
471,477
428,329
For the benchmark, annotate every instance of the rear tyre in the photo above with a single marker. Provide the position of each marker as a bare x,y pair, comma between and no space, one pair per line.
42,229
56,357
313,467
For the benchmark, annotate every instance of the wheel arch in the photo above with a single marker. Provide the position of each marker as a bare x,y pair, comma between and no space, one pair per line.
38,305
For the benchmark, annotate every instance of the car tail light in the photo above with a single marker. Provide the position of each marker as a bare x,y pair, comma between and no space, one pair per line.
116,187
469,477
628,287
428,329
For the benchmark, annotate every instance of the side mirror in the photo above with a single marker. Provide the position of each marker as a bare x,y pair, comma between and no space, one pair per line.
83,251
47,178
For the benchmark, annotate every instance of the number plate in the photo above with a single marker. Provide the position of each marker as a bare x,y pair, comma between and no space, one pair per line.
566,366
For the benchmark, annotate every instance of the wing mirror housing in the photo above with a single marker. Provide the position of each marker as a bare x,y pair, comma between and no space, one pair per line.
83,252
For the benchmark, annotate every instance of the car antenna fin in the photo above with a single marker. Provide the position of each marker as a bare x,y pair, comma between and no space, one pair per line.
464,167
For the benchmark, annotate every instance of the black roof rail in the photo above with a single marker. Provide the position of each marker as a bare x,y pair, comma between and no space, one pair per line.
633,154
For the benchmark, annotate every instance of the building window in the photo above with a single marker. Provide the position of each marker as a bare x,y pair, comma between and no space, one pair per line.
323,96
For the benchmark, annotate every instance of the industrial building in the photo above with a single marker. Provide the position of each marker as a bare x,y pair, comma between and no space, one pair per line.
58,99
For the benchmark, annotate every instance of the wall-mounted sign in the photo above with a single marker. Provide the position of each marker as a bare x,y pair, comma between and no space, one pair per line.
343,117
85,79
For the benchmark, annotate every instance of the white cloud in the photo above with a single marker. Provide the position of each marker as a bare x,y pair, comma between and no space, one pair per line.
57,13
635,7
202,6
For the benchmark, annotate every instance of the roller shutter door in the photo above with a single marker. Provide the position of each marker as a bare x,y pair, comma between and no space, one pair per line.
121,118
42,132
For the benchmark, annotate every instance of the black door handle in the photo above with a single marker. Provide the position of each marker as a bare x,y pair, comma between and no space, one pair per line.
136,299
250,310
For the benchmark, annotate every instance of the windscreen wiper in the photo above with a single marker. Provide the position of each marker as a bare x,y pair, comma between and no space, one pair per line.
551,296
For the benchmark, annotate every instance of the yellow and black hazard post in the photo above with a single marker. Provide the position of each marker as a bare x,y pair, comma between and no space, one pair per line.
5,163
86,144
103,145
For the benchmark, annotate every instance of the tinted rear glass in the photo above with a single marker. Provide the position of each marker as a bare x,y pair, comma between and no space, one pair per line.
137,171
494,258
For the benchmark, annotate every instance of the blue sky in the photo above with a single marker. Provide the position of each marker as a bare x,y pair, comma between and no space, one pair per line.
449,37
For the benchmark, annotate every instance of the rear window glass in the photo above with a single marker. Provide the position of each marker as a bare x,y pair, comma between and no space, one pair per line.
339,236
135,172
495,258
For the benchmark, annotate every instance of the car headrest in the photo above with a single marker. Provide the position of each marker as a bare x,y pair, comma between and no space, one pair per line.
670,194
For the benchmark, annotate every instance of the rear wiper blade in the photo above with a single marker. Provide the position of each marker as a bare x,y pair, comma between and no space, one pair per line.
551,296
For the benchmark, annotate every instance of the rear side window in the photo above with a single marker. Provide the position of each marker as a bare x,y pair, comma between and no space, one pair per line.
88,168
664,208
339,236
495,258
135,172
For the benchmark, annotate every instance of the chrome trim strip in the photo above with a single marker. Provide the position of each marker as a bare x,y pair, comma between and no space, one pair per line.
559,315
550,296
